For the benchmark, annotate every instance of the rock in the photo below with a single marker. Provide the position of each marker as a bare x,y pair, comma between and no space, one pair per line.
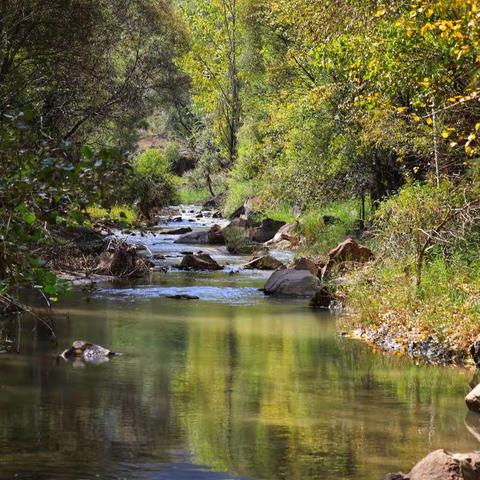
267,230
215,202
443,465
173,231
322,299
199,215
350,251
211,203
475,351
199,261
183,297
88,352
292,283
347,251
217,214
214,236
473,399
237,240
266,262
287,237
158,256
177,219
304,263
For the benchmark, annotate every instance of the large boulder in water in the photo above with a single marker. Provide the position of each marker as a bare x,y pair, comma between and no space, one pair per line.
443,465
267,229
199,261
473,399
214,236
265,262
292,283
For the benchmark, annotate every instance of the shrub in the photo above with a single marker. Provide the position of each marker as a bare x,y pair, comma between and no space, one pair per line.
153,185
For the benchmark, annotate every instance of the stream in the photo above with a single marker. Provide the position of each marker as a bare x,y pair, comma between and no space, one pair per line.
233,385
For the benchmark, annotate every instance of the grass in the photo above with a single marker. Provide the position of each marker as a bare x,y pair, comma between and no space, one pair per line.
446,308
119,213
321,236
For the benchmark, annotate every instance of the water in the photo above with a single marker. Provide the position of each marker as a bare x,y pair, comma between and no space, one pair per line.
232,386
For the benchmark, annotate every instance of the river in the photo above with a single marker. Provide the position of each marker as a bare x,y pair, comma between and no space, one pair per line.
233,385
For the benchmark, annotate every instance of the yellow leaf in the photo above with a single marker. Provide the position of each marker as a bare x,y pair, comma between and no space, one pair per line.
401,109
477,127
445,134
380,12
429,121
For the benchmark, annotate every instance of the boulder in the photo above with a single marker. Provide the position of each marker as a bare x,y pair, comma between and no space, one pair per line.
322,299
475,351
473,399
287,237
292,283
304,263
350,251
267,229
214,236
265,262
199,261
443,465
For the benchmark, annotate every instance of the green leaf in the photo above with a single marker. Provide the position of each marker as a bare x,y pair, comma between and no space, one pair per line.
29,217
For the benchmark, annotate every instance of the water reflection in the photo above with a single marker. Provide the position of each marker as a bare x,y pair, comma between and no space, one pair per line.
260,391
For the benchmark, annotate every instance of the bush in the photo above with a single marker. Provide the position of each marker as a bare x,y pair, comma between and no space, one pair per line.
154,185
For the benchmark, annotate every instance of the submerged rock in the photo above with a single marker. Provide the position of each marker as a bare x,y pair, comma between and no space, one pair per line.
173,231
473,399
183,297
199,261
265,262
292,283
443,465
